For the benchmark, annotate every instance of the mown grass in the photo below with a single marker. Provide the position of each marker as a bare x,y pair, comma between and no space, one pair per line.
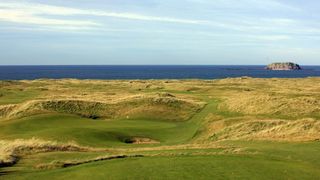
299,152
183,167
97,133
195,125
261,160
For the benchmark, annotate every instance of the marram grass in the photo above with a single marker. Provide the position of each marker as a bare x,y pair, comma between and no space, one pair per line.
234,128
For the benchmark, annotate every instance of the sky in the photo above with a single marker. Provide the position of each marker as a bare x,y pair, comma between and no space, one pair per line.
159,32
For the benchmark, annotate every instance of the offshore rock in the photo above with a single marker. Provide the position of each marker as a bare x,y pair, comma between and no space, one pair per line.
283,66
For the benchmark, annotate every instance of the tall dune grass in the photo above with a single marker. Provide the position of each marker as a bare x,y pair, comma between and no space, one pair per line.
11,151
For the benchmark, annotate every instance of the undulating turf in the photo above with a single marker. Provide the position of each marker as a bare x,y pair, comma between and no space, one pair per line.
240,128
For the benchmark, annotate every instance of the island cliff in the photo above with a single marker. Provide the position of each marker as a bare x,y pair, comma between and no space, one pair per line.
283,66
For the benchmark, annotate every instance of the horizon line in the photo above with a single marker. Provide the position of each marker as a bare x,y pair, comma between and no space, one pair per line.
146,64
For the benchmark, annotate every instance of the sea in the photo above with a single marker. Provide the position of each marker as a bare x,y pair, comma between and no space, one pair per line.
149,72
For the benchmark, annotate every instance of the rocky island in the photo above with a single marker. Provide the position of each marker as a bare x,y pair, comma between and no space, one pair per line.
283,66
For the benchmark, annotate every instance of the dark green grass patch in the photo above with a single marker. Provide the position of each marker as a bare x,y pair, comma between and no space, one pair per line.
183,167
97,133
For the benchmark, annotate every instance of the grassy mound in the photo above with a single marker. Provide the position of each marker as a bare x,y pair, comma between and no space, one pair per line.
11,151
273,130
185,129
64,164
285,98
95,133
274,104
5,110
166,108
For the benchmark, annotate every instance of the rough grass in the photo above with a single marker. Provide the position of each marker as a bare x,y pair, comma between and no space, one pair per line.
64,164
168,107
185,129
11,151
290,98
273,130
254,103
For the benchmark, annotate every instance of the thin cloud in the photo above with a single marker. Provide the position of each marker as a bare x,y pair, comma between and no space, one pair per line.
18,16
243,4
54,17
147,18
32,13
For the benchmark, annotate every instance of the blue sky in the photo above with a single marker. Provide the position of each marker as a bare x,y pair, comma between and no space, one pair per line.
42,32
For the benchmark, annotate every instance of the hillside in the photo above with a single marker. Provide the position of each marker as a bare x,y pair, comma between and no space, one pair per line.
186,128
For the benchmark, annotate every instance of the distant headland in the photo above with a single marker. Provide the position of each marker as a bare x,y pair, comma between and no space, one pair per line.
283,66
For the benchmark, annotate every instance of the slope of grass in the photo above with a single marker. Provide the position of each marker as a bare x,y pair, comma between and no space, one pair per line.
185,167
11,151
236,128
261,160
16,96
98,133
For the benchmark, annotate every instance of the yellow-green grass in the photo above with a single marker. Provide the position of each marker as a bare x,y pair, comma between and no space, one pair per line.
95,132
183,167
260,160
16,96
239,128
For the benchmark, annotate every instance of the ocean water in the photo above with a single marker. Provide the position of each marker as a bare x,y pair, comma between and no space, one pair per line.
149,72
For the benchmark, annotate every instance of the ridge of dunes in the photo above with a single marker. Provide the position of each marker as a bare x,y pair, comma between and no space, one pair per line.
165,106
254,103
209,126
301,130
